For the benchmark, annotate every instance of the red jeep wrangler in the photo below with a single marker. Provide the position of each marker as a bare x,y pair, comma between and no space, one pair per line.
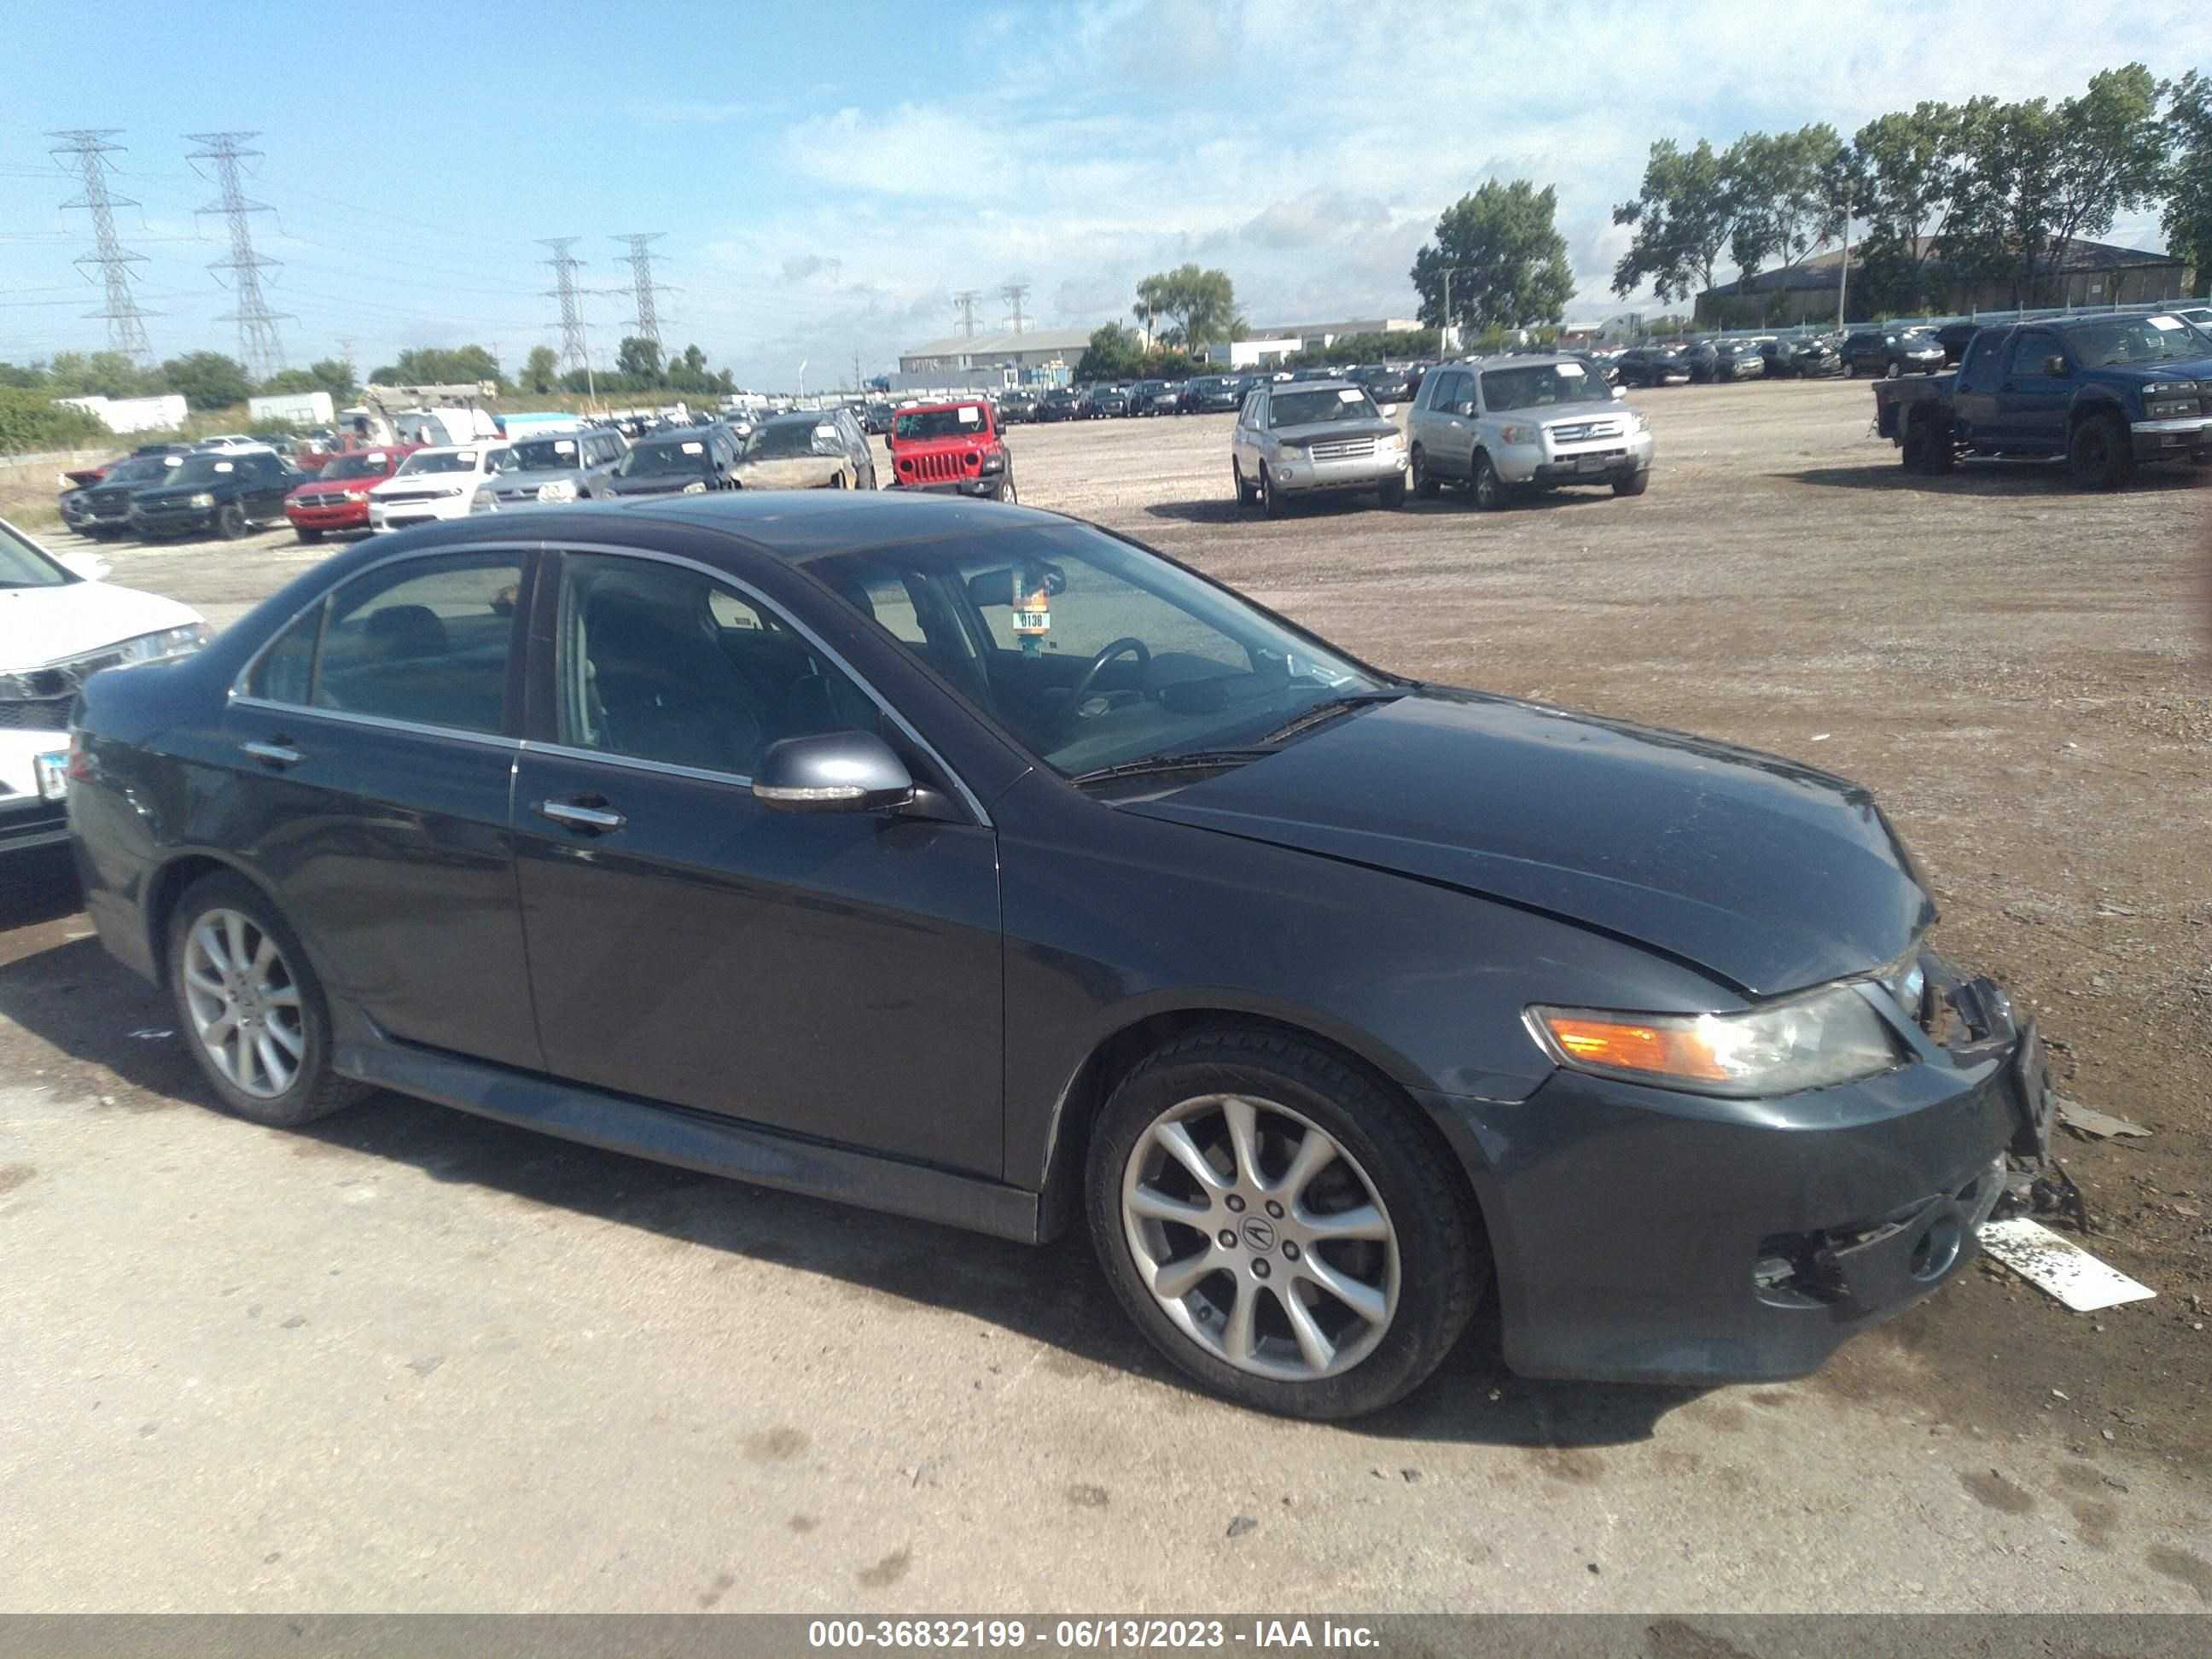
952,448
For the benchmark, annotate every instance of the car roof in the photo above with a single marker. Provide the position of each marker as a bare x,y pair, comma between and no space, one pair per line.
1334,383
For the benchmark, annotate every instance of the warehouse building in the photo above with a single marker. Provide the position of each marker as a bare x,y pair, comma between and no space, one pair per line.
2092,274
1034,357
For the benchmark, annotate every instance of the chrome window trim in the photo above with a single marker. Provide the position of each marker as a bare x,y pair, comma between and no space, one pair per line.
768,606
635,763
413,728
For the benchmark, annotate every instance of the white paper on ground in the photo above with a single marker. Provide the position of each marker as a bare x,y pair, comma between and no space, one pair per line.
2059,1266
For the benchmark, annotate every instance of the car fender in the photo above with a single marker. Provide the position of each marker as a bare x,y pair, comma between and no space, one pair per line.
2093,401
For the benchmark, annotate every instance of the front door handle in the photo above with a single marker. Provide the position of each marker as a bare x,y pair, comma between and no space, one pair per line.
279,754
580,817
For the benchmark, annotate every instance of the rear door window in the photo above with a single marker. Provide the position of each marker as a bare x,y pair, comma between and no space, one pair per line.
425,643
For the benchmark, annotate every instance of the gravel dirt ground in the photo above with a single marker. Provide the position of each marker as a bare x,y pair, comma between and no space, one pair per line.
407,1360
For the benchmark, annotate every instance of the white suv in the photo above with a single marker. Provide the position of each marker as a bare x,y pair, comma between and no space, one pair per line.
59,623
435,483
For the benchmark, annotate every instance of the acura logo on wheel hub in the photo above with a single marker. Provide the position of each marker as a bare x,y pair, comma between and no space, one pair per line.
1259,1235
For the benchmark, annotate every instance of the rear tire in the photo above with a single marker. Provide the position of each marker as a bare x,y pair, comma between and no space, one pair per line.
2100,454
1417,1262
249,1005
1424,481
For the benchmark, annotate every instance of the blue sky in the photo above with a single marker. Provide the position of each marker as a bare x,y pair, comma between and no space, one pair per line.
830,176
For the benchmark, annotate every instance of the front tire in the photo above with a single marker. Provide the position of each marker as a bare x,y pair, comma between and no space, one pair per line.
1009,494
230,521
1353,1262
1634,484
306,534
2099,453
1486,487
1246,494
251,1008
1392,496
1271,502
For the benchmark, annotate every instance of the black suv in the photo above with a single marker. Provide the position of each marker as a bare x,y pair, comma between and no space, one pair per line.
1891,351
101,509
1152,398
1210,394
1652,365
225,493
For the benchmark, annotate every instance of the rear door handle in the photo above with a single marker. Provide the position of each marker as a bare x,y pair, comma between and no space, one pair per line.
580,817
278,753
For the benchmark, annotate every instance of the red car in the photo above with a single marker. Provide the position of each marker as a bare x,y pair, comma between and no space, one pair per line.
952,448
336,499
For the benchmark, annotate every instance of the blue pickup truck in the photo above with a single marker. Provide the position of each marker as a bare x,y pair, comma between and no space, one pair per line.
2104,392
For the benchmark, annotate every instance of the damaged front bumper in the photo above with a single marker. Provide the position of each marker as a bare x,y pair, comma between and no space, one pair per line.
1646,1235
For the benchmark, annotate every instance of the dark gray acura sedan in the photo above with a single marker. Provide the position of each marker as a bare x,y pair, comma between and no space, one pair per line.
971,862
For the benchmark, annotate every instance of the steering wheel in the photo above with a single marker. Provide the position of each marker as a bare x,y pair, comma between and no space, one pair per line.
1125,646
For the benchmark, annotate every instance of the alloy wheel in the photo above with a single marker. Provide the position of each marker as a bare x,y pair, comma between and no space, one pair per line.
1260,1238
244,1003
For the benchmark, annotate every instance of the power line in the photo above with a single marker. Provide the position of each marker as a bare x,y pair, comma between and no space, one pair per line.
647,320
1013,293
257,324
964,303
89,150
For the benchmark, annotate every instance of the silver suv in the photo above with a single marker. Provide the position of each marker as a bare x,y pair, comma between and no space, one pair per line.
1512,423
1296,437
557,466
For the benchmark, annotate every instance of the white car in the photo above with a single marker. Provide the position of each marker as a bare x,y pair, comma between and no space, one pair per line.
435,483
59,623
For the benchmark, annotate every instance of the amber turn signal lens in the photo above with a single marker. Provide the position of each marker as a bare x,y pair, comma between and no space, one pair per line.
1624,1045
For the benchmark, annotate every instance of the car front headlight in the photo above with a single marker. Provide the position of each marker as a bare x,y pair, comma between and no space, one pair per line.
203,498
1828,1036
484,501
166,642
1517,434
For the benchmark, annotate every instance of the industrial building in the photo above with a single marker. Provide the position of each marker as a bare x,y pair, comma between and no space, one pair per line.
1034,356
1265,345
2092,274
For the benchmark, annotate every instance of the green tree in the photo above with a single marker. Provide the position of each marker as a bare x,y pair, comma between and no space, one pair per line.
639,359
335,375
1787,190
99,374
439,366
207,380
1685,217
2188,174
1115,354
541,370
1904,176
2112,152
1199,305
1507,259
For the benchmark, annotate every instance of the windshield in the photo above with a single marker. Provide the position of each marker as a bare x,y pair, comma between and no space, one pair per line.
2139,340
786,441
447,460
1313,407
139,469
650,459
360,464
925,423
1538,385
1180,665
201,469
546,455
24,563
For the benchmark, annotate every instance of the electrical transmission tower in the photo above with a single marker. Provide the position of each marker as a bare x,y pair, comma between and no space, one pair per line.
86,150
964,303
257,324
647,321
575,351
1013,293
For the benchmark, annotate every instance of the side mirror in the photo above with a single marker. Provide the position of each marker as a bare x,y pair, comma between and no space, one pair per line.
833,772
2055,366
1620,390
90,566
1390,410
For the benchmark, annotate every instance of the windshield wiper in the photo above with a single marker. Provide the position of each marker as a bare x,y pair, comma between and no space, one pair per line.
1194,760
1330,707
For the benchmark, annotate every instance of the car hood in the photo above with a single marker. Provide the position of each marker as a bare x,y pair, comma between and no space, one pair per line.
2198,369
1323,431
50,624
1586,409
1767,874
655,484
794,472
532,479
402,483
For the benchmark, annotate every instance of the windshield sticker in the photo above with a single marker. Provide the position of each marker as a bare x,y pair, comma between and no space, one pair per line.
466,457
564,445
969,416
1032,610
2169,324
1572,371
825,430
223,467
695,449
1348,395
376,458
